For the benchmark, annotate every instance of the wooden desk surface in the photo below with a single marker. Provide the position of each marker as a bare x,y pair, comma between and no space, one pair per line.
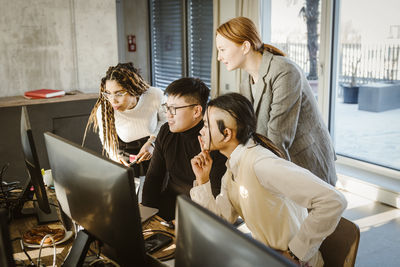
12,101
153,225
19,226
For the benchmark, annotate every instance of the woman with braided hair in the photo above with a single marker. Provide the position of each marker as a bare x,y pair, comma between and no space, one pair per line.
128,115
285,106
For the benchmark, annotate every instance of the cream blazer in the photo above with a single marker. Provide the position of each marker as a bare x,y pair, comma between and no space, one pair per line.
287,113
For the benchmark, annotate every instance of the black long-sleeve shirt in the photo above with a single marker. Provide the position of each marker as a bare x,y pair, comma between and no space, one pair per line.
171,161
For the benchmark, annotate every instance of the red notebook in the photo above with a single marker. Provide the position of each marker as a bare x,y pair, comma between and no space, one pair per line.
44,93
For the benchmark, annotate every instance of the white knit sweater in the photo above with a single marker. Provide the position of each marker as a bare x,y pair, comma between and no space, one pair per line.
272,196
145,119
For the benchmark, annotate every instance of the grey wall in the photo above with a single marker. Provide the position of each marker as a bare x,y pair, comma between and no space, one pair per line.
56,44
134,20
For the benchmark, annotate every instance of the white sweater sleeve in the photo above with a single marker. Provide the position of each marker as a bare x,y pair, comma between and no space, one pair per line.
326,204
221,206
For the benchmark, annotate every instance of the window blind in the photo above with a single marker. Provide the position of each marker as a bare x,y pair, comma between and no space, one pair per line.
200,37
167,41
175,32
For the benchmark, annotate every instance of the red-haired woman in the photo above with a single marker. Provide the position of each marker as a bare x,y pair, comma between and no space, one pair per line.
286,109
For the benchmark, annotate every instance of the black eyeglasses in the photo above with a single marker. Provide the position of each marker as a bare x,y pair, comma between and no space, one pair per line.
172,109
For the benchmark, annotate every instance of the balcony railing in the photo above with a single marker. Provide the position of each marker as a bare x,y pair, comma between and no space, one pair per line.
376,62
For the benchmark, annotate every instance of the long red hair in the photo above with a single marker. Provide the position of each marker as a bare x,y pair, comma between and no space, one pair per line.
242,29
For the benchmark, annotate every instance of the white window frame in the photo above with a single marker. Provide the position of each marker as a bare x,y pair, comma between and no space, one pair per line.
327,79
367,179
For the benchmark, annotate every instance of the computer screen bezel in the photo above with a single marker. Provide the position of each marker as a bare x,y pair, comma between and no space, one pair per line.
191,251
71,164
42,207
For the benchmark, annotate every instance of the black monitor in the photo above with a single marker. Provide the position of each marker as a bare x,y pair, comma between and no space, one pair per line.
203,239
6,256
98,194
42,208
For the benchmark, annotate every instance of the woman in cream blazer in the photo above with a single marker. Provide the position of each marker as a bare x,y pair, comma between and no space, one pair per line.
286,109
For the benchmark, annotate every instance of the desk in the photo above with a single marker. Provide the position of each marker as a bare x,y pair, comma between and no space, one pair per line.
19,226
65,116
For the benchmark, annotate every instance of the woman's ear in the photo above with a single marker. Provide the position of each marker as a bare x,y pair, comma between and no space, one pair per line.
246,47
228,134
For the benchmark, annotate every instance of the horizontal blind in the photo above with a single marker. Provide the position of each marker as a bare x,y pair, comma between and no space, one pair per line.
200,37
167,41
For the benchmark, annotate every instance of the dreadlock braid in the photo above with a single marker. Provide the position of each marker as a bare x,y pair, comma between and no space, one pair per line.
128,77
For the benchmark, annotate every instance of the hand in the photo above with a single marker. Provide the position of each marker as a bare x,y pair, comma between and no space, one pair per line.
287,255
122,160
145,153
201,165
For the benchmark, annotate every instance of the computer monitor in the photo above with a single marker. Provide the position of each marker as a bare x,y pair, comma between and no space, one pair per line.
98,194
42,208
203,239
6,256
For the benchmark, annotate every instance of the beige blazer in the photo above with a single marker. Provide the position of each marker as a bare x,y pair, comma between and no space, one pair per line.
287,113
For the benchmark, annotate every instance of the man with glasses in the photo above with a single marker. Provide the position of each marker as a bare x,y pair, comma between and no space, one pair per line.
170,172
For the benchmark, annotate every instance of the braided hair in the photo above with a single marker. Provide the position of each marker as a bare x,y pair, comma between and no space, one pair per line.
240,108
128,77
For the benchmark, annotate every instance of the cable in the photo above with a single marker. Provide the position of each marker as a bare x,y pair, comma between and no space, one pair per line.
54,249
158,231
2,172
26,253
106,261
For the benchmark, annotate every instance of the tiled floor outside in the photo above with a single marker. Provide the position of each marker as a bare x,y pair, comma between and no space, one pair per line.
369,136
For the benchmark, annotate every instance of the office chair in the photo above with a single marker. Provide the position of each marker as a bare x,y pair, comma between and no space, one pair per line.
340,248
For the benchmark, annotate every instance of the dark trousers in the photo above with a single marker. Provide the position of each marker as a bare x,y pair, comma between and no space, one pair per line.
167,205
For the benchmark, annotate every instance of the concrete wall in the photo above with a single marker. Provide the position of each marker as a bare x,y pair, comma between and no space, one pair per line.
136,22
57,44
227,79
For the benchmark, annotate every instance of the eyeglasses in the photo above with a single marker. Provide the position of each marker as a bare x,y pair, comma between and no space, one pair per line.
172,109
117,95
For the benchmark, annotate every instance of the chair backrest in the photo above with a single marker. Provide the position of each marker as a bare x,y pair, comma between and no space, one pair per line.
340,248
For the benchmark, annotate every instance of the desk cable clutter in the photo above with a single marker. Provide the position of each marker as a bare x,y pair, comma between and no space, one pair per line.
38,262
10,193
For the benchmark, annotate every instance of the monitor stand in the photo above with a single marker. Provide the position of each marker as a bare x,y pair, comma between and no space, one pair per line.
42,217
27,195
80,247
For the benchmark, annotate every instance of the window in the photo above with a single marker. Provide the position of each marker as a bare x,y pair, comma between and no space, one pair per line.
290,22
366,104
181,40
166,41
200,39
364,120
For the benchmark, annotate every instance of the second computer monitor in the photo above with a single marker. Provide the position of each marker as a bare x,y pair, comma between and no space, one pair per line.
42,208
203,239
99,195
